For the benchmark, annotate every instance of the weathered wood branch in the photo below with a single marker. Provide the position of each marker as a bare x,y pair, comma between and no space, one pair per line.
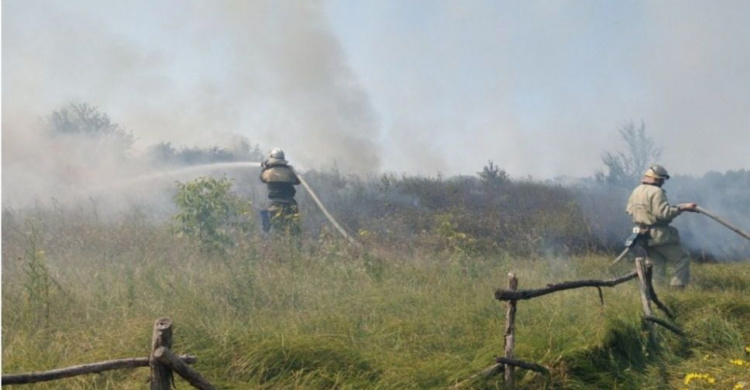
486,373
161,375
510,328
505,295
523,364
640,268
166,357
83,369
652,291
665,324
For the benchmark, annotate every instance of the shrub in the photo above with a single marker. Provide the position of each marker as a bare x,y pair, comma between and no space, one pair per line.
210,211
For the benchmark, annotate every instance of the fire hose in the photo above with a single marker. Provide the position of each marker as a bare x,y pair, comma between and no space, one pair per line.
722,221
703,211
325,211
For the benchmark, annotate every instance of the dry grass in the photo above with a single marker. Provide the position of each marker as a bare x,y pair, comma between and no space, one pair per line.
319,314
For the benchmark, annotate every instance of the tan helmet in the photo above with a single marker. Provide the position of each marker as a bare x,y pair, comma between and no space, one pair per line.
657,172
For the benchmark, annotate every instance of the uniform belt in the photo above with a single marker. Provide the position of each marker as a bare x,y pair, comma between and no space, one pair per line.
641,229
282,200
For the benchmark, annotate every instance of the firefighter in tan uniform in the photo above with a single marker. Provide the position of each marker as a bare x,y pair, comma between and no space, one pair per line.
281,179
652,213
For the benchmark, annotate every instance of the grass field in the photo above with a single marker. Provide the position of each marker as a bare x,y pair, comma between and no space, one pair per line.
320,314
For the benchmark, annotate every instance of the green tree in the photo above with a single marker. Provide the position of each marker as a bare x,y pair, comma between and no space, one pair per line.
626,167
211,212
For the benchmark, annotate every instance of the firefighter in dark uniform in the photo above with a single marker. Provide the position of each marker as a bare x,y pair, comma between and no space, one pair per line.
280,178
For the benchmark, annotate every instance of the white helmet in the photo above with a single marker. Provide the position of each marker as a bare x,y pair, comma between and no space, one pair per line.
276,153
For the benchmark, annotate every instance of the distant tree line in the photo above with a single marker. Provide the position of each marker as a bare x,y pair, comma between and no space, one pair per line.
486,213
111,139
165,153
103,136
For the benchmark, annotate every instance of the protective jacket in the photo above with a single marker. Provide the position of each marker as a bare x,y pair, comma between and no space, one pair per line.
648,206
280,179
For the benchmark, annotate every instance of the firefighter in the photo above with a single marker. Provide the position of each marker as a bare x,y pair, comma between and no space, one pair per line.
283,212
652,213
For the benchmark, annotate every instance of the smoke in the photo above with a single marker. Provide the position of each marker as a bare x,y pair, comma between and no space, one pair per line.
539,88
699,79
197,74
724,195
397,86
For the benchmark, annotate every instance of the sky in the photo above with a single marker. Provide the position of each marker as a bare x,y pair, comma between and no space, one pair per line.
418,87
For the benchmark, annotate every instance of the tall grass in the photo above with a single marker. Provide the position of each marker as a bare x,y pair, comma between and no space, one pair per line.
318,314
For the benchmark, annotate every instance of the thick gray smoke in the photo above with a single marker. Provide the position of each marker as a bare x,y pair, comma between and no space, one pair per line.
540,88
197,74
537,87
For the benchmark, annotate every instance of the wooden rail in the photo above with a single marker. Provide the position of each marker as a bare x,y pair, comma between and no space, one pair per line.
162,362
506,295
93,368
643,272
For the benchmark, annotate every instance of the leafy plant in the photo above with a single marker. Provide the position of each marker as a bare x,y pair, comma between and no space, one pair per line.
210,211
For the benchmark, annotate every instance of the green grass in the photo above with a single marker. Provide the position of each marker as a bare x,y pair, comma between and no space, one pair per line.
322,315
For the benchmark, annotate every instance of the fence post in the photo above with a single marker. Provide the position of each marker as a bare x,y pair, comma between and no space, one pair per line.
640,268
166,356
161,375
510,328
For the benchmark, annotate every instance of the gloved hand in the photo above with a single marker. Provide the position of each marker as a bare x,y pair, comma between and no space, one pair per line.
688,207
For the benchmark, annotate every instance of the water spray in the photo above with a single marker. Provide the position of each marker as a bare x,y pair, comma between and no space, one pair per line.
192,170
188,171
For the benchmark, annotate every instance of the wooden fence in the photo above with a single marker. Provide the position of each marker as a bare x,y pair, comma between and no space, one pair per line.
162,361
643,272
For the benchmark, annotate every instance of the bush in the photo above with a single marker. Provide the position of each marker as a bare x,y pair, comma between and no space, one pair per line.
211,212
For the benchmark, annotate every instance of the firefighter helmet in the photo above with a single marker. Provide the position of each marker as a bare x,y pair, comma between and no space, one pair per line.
275,157
657,172
276,153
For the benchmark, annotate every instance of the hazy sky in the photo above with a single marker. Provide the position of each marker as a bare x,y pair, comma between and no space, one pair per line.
538,87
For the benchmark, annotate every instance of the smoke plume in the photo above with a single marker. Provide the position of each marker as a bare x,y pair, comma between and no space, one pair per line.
197,74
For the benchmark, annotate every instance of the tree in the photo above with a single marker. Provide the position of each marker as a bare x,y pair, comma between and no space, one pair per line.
626,167
239,149
493,176
88,122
